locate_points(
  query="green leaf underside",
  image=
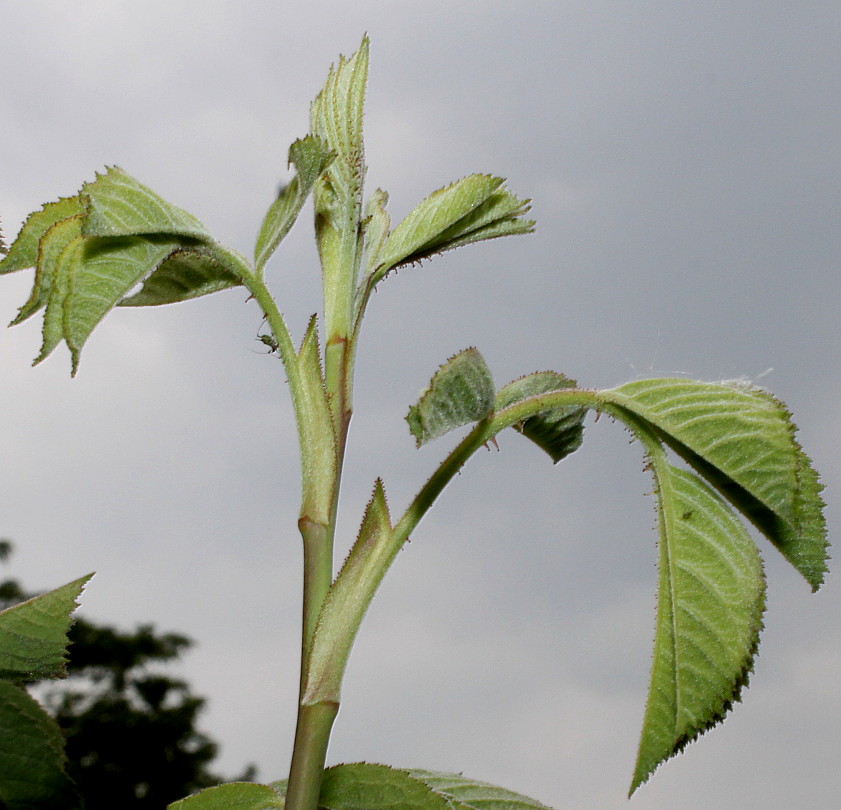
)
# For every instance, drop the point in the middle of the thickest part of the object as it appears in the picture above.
(310, 156)
(558, 431)
(24, 251)
(31, 756)
(469, 210)
(364, 786)
(347, 600)
(460, 392)
(319, 456)
(711, 596)
(118, 205)
(182, 275)
(232, 796)
(743, 441)
(33, 634)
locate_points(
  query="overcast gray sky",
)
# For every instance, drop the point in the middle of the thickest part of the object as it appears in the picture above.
(683, 159)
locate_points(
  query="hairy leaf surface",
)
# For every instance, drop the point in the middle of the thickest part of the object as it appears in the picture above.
(33, 634)
(232, 796)
(118, 205)
(468, 794)
(557, 431)
(460, 392)
(710, 599)
(310, 156)
(31, 756)
(474, 208)
(347, 601)
(742, 440)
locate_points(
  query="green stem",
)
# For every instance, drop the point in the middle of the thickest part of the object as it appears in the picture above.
(312, 735)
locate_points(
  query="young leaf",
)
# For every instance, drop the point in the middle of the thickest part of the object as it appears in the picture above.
(118, 205)
(184, 274)
(232, 796)
(319, 455)
(468, 794)
(31, 756)
(310, 156)
(347, 600)
(460, 392)
(33, 634)
(557, 431)
(741, 439)
(24, 250)
(472, 209)
(710, 599)
(364, 786)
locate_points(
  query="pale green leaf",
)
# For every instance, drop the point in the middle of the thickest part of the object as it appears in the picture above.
(468, 794)
(24, 250)
(377, 224)
(118, 205)
(33, 634)
(472, 209)
(460, 392)
(108, 270)
(319, 455)
(557, 431)
(310, 156)
(32, 775)
(232, 796)
(184, 274)
(347, 601)
(710, 599)
(364, 786)
(742, 440)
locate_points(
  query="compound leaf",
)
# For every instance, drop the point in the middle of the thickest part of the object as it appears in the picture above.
(32, 757)
(557, 431)
(118, 205)
(742, 440)
(710, 599)
(460, 392)
(472, 209)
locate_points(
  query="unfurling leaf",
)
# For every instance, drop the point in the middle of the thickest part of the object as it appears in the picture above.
(557, 431)
(310, 156)
(710, 599)
(472, 209)
(742, 440)
(460, 392)
(91, 251)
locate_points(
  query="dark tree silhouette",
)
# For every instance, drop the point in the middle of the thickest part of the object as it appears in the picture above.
(131, 731)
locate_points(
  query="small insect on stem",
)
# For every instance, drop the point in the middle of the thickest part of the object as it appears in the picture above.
(269, 341)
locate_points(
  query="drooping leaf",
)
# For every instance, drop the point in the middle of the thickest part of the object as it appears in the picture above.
(460, 392)
(118, 205)
(319, 455)
(310, 156)
(468, 794)
(742, 440)
(364, 786)
(24, 250)
(347, 601)
(232, 796)
(33, 634)
(710, 599)
(182, 275)
(32, 757)
(557, 431)
(472, 209)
